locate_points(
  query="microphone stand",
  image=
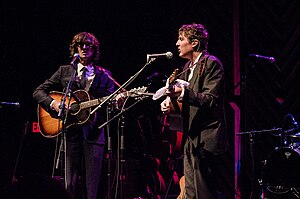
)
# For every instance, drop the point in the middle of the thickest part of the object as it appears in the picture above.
(121, 146)
(252, 141)
(121, 137)
(109, 151)
(63, 115)
(14, 178)
(121, 158)
(109, 109)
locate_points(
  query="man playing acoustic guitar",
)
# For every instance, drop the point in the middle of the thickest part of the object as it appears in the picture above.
(202, 97)
(84, 143)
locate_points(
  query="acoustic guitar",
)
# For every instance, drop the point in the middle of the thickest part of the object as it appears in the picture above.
(79, 108)
(175, 106)
(172, 122)
(182, 188)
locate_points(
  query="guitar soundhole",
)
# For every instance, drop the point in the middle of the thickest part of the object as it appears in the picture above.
(74, 108)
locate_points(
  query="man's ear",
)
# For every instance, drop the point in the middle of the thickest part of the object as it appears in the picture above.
(195, 43)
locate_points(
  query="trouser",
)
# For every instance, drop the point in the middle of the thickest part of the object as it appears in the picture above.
(203, 173)
(83, 159)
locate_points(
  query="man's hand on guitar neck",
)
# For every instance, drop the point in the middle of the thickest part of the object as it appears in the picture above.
(177, 89)
(174, 91)
(120, 99)
(174, 94)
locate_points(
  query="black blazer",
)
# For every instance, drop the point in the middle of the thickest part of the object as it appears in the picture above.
(101, 86)
(203, 105)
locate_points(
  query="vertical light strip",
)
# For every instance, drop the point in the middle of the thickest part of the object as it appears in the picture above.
(236, 91)
(237, 148)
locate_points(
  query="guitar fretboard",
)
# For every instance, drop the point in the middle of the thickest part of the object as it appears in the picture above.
(90, 103)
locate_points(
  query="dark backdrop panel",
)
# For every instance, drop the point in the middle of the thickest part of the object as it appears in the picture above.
(270, 28)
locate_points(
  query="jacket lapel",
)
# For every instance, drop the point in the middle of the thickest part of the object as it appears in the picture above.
(196, 77)
(96, 80)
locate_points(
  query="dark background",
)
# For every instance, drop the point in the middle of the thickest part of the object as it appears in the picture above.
(34, 40)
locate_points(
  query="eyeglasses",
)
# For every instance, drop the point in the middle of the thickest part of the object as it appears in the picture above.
(84, 45)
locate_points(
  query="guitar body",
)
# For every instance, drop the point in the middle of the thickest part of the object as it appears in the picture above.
(182, 188)
(51, 125)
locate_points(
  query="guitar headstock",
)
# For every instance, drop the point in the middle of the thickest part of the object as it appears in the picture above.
(173, 76)
(136, 92)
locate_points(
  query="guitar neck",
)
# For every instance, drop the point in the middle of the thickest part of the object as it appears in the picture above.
(91, 103)
(133, 92)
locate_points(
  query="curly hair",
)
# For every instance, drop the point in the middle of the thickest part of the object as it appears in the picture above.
(85, 38)
(195, 31)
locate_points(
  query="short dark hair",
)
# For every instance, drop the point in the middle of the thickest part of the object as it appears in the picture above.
(85, 37)
(195, 32)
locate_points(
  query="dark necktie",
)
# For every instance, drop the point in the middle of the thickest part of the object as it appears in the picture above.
(83, 78)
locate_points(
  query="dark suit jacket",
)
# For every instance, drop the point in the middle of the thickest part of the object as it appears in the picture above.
(203, 106)
(101, 86)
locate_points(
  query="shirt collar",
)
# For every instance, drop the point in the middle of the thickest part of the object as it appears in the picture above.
(197, 59)
(193, 65)
(90, 68)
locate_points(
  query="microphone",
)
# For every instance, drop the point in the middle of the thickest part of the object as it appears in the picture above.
(168, 55)
(13, 104)
(76, 56)
(270, 59)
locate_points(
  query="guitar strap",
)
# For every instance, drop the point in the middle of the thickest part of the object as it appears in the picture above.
(187, 67)
(202, 62)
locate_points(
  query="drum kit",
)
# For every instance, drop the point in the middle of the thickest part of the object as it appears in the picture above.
(281, 169)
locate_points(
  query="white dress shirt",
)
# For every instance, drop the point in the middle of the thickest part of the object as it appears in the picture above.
(89, 74)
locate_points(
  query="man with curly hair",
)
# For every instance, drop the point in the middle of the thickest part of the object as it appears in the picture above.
(84, 142)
